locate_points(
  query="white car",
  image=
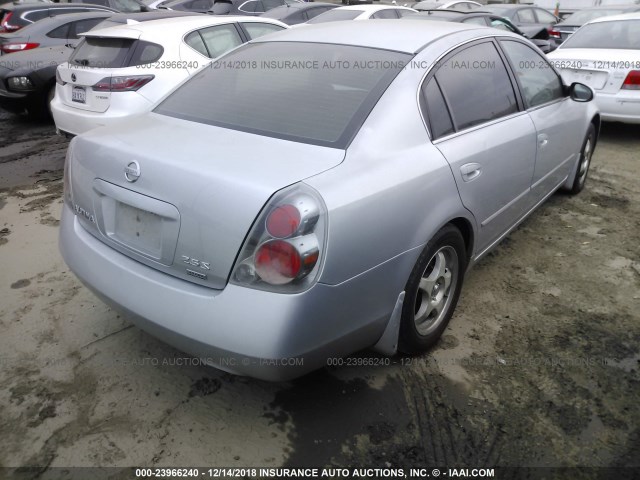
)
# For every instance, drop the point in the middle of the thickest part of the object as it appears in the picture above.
(462, 6)
(119, 72)
(605, 54)
(362, 12)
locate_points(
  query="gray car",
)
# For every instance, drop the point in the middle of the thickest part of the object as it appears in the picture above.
(328, 195)
(50, 32)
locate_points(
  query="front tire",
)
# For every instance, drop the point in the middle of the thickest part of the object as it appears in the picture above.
(432, 290)
(584, 162)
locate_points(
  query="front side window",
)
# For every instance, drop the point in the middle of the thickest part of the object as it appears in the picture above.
(545, 17)
(476, 86)
(539, 83)
(336, 15)
(305, 92)
(269, 4)
(526, 16)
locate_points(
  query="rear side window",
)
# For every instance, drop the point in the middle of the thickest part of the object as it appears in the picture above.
(255, 29)
(35, 15)
(194, 40)
(440, 122)
(476, 21)
(61, 32)
(293, 91)
(386, 13)
(251, 6)
(82, 26)
(97, 52)
(476, 86)
(220, 39)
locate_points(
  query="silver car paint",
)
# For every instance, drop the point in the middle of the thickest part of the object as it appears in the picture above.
(208, 204)
(386, 199)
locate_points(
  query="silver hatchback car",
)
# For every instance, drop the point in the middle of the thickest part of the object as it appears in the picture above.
(322, 190)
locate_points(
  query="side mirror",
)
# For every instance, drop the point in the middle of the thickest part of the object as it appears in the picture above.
(580, 92)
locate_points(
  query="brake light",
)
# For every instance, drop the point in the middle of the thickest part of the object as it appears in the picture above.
(282, 253)
(553, 32)
(18, 47)
(4, 25)
(632, 82)
(122, 84)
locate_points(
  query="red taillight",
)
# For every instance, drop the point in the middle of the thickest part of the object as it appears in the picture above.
(632, 82)
(18, 47)
(4, 25)
(283, 251)
(553, 32)
(283, 221)
(122, 84)
(277, 262)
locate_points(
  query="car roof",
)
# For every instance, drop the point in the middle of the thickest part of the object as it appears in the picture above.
(371, 8)
(147, 16)
(616, 18)
(21, 7)
(401, 35)
(301, 5)
(175, 26)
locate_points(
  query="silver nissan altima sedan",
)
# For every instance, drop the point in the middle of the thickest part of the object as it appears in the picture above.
(322, 190)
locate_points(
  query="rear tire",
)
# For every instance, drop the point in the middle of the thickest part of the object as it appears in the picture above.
(432, 290)
(584, 162)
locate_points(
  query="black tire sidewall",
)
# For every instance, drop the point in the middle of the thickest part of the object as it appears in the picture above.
(577, 187)
(410, 341)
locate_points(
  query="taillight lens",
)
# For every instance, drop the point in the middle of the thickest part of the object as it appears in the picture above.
(67, 194)
(284, 249)
(632, 82)
(18, 47)
(122, 84)
(4, 25)
(553, 32)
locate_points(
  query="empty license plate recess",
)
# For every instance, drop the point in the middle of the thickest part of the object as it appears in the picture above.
(138, 229)
(137, 225)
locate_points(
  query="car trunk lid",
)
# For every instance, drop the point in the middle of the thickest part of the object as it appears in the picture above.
(96, 58)
(181, 196)
(604, 70)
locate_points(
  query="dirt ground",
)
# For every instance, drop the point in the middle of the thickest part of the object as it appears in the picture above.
(539, 366)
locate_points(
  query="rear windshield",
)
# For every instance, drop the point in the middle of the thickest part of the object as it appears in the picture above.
(580, 18)
(306, 92)
(97, 52)
(336, 15)
(623, 34)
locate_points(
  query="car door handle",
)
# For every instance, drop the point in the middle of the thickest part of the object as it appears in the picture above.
(543, 139)
(470, 171)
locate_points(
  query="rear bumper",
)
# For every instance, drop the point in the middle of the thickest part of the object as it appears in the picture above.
(75, 121)
(620, 107)
(244, 331)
